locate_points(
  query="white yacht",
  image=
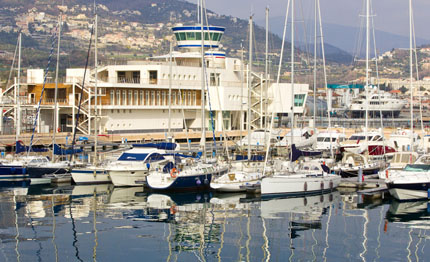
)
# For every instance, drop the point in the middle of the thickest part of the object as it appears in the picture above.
(412, 182)
(377, 102)
(375, 144)
(329, 140)
(133, 166)
(396, 162)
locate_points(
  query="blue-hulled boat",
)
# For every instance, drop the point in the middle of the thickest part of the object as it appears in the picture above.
(13, 174)
(188, 175)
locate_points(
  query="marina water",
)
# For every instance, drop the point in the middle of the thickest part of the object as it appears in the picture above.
(89, 223)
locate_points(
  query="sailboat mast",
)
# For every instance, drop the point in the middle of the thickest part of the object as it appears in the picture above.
(315, 66)
(242, 76)
(328, 91)
(18, 85)
(292, 71)
(95, 93)
(367, 67)
(411, 74)
(203, 98)
(266, 71)
(56, 88)
(249, 87)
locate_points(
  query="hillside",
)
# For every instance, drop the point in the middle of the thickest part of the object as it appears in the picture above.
(133, 29)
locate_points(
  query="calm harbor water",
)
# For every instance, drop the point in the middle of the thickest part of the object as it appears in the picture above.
(89, 223)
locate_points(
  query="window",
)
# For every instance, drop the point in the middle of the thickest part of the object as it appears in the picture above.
(153, 77)
(141, 97)
(164, 102)
(130, 97)
(194, 98)
(214, 79)
(112, 97)
(146, 98)
(177, 37)
(153, 98)
(182, 98)
(191, 36)
(173, 98)
(299, 99)
(136, 77)
(136, 100)
(189, 98)
(121, 76)
(118, 97)
(182, 36)
(124, 97)
(215, 36)
(158, 98)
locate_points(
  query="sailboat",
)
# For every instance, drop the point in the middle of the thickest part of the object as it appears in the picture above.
(310, 178)
(93, 173)
(14, 173)
(247, 171)
(40, 168)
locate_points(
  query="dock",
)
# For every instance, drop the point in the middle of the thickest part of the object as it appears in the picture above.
(370, 182)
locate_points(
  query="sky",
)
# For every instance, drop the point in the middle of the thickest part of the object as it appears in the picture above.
(389, 15)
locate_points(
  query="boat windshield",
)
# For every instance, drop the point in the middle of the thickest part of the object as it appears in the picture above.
(359, 138)
(417, 168)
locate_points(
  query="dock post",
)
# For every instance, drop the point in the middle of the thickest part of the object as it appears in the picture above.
(360, 175)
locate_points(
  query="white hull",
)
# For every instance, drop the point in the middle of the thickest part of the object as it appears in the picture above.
(90, 176)
(232, 187)
(298, 184)
(128, 177)
(407, 194)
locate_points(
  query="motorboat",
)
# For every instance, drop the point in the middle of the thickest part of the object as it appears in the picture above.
(132, 167)
(397, 161)
(329, 140)
(413, 182)
(371, 143)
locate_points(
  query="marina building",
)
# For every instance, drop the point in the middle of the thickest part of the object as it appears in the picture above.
(135, 97)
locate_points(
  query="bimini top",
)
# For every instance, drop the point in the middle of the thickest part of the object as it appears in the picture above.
(191, 36)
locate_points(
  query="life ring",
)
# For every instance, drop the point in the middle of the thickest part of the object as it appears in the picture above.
(403, 133)
(174, 173)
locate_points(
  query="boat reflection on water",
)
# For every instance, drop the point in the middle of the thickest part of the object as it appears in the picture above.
(84, 223)
(415, 214)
